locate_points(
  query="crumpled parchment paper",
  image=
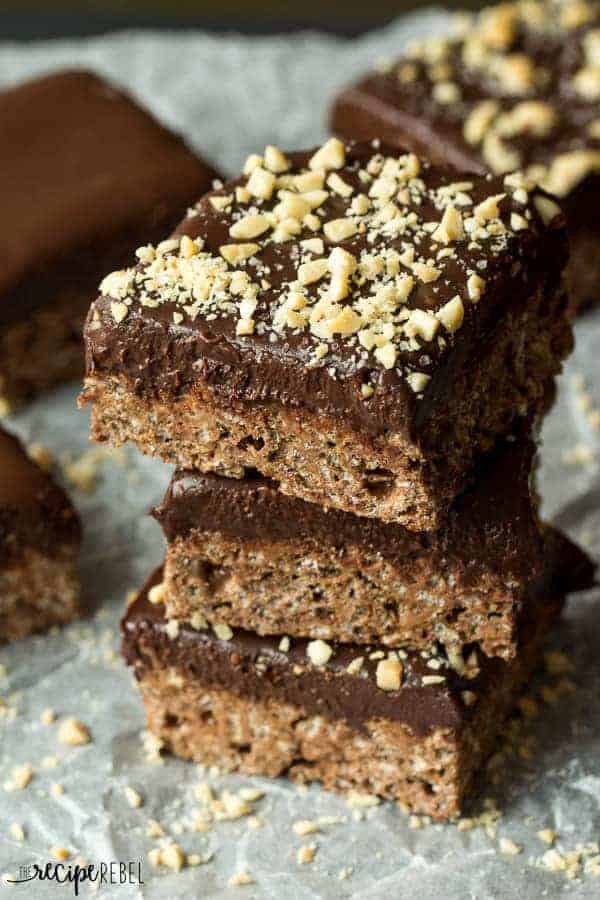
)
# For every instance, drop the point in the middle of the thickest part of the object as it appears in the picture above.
(230, 96)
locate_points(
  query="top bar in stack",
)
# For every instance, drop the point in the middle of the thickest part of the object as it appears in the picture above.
(517, 87)
(85, 175)
(351, 322)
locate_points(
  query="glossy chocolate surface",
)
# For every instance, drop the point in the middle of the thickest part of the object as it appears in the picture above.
(85, 176)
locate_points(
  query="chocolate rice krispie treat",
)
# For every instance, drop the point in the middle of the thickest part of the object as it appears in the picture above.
(241, 552)
(85, 175)
(409, 726)
(40, 536)
(517, 87)
(352, 322)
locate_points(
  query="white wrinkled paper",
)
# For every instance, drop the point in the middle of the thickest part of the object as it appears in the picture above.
(230, 96)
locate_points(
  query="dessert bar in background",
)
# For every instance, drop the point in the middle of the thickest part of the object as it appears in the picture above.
(409, 726)
(517, 87)
(354, 323)
(86, 176)
(240, 552)
(40, 535)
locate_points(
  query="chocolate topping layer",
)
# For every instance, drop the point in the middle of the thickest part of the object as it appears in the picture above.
(492, 526)
(34, 511)
(516, 88)
(85, 173)
(180, 317)
(258, 667)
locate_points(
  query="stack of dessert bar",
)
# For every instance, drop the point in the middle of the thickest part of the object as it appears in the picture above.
(345, 352)
(517, 87)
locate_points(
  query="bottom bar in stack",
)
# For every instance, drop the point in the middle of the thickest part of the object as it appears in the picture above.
(404, 725)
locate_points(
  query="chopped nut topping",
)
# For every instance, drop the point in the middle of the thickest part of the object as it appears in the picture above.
(389, 674)
(489, 209)
(422, 324)
(119, 311)
(432, 679)
(223, 632)
(450, 228)
(479, 120)
(339, 186)
(158, 593)
(172, 629)
(332, 155)
(319, 652)
(117, 284)
(475, 287)
(237, 253)
(451, 315)
(547, 209)
(275, 160)
(219, 203)
(310, 272)
(418, 381)
(337, 230)
(249, 227)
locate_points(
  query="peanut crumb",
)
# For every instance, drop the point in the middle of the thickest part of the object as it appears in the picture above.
(508, 847)
(48, 717)
(17, 832)
(73, 732)
(306, 853)
(240, 879)
(304, 826)
(133, 797)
